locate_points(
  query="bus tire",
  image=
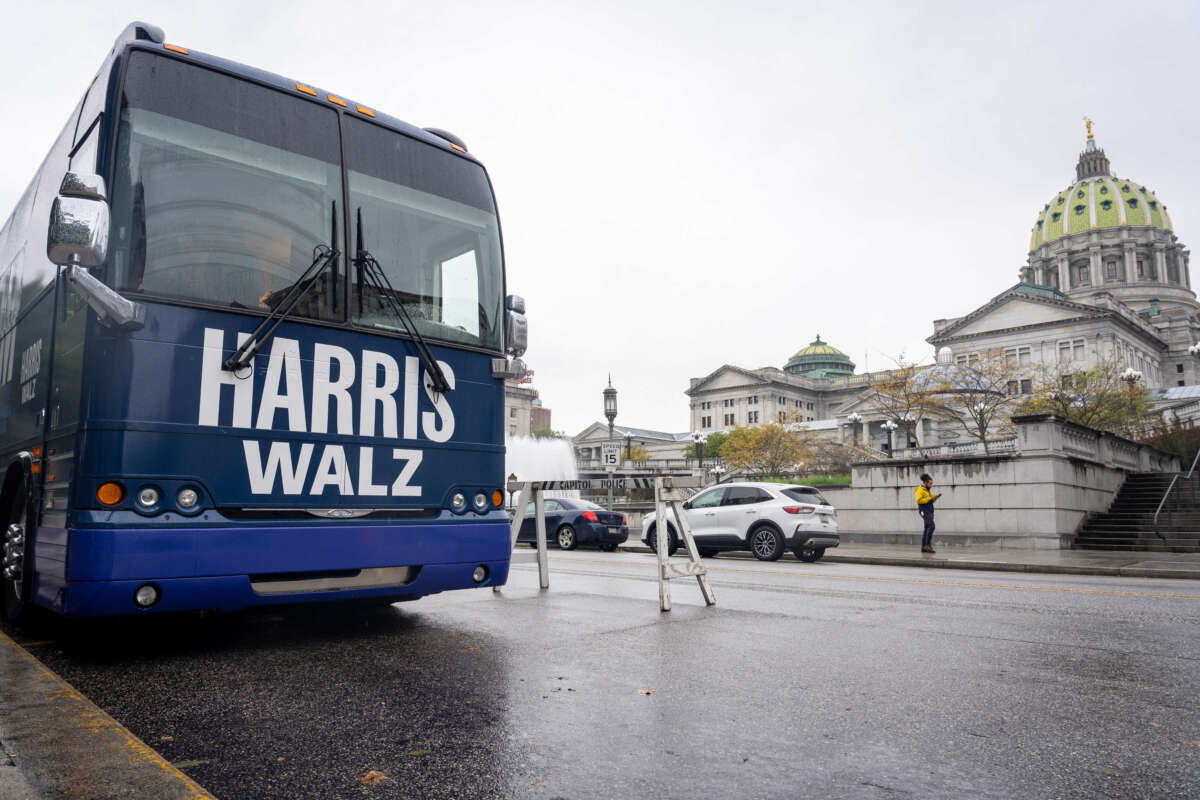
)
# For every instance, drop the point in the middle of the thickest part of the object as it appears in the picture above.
(16, 564)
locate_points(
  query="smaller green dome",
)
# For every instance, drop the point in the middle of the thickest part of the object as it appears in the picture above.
(819, 360)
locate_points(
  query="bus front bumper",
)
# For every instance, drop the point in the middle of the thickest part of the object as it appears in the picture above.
(231, 568)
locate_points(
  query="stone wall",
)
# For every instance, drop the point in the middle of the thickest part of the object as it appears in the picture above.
(1034, 496)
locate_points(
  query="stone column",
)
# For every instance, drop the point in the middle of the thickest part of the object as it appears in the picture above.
(1160, 262)
(1130, 263)
(1095, 265)
(1064, 273)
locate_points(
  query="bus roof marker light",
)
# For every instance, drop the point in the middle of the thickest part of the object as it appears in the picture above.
(364, 110)
(110, 493)
(300, 87)
(337, 101)
(176, 49)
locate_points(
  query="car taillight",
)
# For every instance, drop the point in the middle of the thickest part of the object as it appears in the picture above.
(590, 516)
(799, 509)
(623, 522)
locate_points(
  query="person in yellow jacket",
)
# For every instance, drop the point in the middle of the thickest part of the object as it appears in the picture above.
(925, 500)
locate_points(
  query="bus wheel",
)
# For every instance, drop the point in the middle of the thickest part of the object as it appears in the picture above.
(16, 567)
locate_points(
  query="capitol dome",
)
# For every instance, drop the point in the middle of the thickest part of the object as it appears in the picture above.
(1100, 201)
(1111, 234)
(819, 360)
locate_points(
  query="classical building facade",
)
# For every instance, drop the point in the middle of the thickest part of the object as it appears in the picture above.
(523, 410)
(1106, 280)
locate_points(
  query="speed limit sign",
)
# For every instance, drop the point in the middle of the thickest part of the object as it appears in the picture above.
(610, 455)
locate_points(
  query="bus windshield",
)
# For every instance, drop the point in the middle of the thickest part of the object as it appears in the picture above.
(427, 217)
(223, 189)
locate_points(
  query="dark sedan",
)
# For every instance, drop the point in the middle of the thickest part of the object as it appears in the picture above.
(570, 523)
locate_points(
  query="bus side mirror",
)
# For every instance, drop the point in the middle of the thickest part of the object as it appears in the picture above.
(78, 232)
(516, 327)
(78, 240)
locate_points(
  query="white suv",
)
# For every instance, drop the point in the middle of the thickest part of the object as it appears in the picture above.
(763, 518)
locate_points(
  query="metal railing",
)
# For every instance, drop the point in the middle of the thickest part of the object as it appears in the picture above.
(649, 464)
(1171, 486)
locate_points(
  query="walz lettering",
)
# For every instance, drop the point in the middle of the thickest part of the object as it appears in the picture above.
(358, 395)
(31, 365)
(293, 472)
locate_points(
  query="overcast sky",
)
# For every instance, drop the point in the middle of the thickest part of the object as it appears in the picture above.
(685, 185)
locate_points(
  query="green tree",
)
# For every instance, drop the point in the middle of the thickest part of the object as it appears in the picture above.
(1098, 397)
(711, 448)
(769, 449)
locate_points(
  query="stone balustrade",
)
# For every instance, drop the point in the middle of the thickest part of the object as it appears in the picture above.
(1033, 491)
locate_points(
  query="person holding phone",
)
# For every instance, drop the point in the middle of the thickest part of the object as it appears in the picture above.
(925, 500)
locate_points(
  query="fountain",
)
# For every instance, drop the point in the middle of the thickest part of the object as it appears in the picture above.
(540, 460)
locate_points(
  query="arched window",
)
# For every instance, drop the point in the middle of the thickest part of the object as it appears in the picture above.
(1083, 274)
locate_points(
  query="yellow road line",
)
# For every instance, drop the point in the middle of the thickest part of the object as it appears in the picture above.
(930, 581)
(89, 717)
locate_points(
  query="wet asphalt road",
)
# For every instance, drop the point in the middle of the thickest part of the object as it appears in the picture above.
(806, 680)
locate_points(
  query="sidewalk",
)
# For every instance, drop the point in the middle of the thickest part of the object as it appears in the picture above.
(1066, 562)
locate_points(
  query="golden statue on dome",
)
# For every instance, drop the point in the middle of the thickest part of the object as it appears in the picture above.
(1088, 122)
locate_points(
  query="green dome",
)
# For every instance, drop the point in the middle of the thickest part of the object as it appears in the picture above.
(1097, 199)
(819, 360)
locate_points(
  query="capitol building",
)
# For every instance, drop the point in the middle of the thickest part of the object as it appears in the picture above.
(1106, 280)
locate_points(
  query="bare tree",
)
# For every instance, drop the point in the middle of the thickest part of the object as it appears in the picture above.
(978, 395)
(902, 395)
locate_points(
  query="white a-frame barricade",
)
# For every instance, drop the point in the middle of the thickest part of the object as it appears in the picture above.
(667, 494)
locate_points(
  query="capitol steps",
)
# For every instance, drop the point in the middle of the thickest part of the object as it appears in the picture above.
(1129, 523)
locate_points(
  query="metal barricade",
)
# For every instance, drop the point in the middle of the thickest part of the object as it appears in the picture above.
(668, 494)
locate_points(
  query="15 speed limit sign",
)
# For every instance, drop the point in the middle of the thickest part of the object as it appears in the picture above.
(610, 455)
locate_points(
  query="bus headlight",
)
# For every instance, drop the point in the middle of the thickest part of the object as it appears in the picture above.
(187, 498)
(458, 502)
(147, 497)
(480, 501)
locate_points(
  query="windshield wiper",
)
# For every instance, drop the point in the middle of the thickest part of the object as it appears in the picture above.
(322, 257)
(371, 273)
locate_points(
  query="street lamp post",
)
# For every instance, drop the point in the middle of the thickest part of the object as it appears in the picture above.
(890, 426)
(1131, 376)
(699, 438)
(854, 418)
(717, 472)
(610, 411)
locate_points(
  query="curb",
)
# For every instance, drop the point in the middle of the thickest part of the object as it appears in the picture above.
(66, 746)
(992, 566)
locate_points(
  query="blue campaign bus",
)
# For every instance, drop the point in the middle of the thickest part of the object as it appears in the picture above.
(253, 344)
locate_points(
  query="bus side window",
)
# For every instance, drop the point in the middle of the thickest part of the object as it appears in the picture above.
(83, 156)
